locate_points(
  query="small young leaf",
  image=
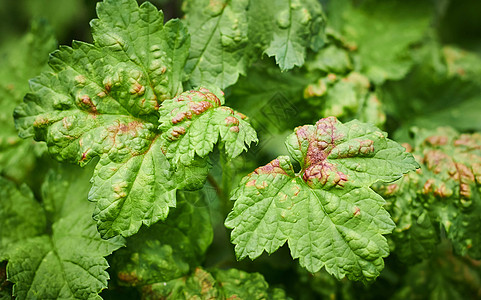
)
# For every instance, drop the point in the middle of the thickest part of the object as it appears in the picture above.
(193, 121)
(286, 29)
(61, 260)
(327, 213)
(219, 38)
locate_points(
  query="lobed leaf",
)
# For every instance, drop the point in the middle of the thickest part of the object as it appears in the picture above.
(227, 36)
(297, 27)
(192, 123)
(327, 213)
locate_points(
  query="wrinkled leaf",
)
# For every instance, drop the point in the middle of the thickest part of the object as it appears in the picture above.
(445, 191)
(192, 123)
(218, 31)
(327, 213)
(286, 29)
(346, 98)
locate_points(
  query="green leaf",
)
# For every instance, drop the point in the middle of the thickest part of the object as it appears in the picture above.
(238, 284)
(169, 249)
(103, 100)
(218, 31)
(220, 284)
(61, 258)
(327, 212)
(286, 28)
(27, 58)
(113, 87)
(192, 123)
(138, 35)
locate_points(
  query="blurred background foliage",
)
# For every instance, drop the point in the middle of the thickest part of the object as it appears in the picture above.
(399, 64)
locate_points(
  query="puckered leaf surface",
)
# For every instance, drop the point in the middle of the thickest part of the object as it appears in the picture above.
(296, 28)
(192, 123)
(327, 213)
(444, 192)
(55, 252)
(286, 29)
(169, 249)
(136, 191)
(102, 100)
(219, 284)
(219, 39)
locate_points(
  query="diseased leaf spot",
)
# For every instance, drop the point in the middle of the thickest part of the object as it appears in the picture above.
(102, 94)
(66, 124)
(128, 277)
(176, 132)
(271, 168)
(181, 116)
(40, 121)
(130, 127)
(231, 121)
(234, 129)
(80, 79)
(437, 140)
(357, 211)
(227, 109)
(241, 115)
(137, 88)
(251, 183)
(324, 173)
(87, 103)
(199, 107)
